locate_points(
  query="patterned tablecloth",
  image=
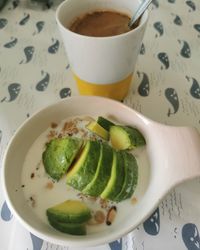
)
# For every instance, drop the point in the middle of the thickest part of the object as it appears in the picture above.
(34, 72)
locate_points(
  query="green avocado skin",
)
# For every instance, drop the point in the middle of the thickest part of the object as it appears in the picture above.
(117, 178)
(86, 172)
(99, 182)
(59, 154)
(136, 138)
(131, 177)
(68, 218)
(103, 122)
(69, 228)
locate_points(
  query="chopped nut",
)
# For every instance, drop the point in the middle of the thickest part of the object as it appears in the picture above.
(54, 125)
(92, 222)
(33, 202)
(92, 198)
(103, 203)
(99, 216)
(49, 185)
(32, 175)
(70, 127)
(133, 200)
(52, 134)
(111, 215)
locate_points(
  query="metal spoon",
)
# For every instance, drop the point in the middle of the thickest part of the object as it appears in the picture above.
(143, 6)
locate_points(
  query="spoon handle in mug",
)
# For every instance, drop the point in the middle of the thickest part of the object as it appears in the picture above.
(139, 12)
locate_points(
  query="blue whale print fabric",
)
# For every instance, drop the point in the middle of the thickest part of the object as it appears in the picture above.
(190, 236)
(35, 72)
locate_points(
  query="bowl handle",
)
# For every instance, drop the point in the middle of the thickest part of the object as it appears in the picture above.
(174, 154)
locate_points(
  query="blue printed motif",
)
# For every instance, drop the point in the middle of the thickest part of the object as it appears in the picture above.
(28, 51)
(197, 28)
(13, 91)
(164, 59)
(152, 224)
(53, 49)
(195, 88)
(37, 242)
(65, 92)
(24, 19)
(185, 50)
(3, 22)
(159, 27)
(155, 3)
(177, 20)
(143, 88)
(142, 49)
(116, 245)
(15, 4)
(171, 1)
(190, 236)
(5, 212)
(44, 82)
(11, 43)
(39, 26)
(192, 6)
(172, 97)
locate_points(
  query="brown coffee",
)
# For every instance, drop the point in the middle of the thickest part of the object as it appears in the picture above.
(101, 24)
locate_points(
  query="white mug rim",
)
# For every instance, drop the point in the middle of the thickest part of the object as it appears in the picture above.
(145, 16)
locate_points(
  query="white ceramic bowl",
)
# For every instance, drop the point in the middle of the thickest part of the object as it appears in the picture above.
(172, 156)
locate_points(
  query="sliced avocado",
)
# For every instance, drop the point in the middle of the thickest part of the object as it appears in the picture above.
(83, 170)
(103, 172)
(98, 130)
(131, 177)
(115, 183)
(69, 228)
(125, 137)
(105, 123)
(59, 154)
(70, 211)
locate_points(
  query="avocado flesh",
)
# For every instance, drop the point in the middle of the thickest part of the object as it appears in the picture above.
(69, 228)
(84, 169)
(103, 172)
(131, 177)
(125, 137)
(98, 130)
(70, 211)
(59, 154)
(116, 180)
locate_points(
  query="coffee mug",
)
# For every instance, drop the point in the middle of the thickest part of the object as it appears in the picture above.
(102, 66)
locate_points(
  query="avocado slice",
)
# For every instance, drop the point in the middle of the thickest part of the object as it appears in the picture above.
(70, 211)
(103, 172)
(83, 170)
(115, 183)
(131, 177)
(105, 123)
(69, 228)
(59, 154)
(125, 137)
(98, 130)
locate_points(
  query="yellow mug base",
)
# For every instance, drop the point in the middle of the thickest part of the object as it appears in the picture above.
(117, 91)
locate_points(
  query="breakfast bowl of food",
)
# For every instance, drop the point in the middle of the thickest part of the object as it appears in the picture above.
(87, 170)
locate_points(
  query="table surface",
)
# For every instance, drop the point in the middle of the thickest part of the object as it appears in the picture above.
(34, 72)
